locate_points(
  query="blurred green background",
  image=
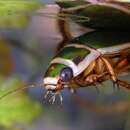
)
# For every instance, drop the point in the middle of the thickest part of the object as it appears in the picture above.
(27, 44)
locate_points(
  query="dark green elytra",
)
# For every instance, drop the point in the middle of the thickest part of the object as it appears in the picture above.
(71, 53)
(100, 16)
(102, 39)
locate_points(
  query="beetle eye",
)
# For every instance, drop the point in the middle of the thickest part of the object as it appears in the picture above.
(66, 74)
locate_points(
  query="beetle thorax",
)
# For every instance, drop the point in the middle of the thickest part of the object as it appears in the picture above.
(96, 72)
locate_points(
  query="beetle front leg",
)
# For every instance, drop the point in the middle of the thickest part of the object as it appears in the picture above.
(111, 72)
(90, 68)
(91, 79)
(110, 69)
(95, 78)
(99, 67)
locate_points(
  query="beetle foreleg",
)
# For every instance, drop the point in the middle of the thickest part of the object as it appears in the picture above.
(110, 69)
(99, 67)
(89, 68)
(91, 79)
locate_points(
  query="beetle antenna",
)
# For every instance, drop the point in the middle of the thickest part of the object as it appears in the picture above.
(20, 89)
(14, 91)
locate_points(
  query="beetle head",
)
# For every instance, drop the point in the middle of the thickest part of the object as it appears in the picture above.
(57, 77)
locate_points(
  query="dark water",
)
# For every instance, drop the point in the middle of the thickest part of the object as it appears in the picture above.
(31, 51)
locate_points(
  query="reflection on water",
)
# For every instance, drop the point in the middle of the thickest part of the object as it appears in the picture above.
(25, 54)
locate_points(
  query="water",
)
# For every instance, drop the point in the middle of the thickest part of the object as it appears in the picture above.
(31, 50)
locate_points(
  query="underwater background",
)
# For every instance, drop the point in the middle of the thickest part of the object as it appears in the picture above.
(27, 45)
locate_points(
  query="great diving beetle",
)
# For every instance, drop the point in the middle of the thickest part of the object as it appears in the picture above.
(88, 60)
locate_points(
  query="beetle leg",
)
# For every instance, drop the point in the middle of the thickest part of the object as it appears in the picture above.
(111, 72)
(124, 84)
(89, 68)
(110, 69)
(123, 62)
(99, 67)
(91, 79)
(123, 66)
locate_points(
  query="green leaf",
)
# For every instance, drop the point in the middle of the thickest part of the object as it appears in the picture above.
(15, 13)
(18, 107)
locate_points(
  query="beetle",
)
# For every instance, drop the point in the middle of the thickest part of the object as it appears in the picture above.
(88, 60)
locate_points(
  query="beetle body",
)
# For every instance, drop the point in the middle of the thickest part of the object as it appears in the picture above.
(103, 56)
